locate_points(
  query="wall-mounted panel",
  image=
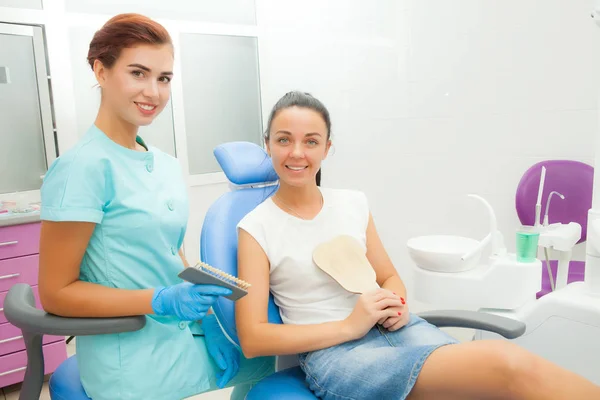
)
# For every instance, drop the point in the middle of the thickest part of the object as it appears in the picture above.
(22, 152)
(221, 91)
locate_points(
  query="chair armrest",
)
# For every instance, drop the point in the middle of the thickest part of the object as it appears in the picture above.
(20, 310)
(509, 328)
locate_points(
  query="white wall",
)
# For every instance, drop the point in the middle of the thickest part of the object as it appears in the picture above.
(434, 99)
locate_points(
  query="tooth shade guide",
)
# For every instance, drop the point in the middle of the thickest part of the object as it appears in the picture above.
(224, 276)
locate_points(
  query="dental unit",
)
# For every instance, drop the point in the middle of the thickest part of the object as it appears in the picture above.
(563, 326)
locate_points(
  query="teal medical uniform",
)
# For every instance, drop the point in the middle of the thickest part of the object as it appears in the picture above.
(138, 201)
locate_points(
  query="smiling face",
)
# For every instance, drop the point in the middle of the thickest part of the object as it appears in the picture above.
(298, 142)
(137, 87)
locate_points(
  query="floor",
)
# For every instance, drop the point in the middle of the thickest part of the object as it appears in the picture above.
(12, 392)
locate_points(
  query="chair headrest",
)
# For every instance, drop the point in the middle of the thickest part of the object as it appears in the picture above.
(245, 163)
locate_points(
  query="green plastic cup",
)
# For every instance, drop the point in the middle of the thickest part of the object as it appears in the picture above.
(527, 244)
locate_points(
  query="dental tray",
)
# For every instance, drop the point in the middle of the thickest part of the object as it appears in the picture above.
(204, 274)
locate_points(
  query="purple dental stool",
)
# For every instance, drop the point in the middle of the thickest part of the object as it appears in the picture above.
(575, 181)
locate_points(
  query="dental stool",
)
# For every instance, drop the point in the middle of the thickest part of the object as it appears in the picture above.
(572, 179)
(252, 180)
(20, 310)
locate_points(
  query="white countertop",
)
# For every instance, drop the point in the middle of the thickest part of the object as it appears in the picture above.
(19, 218)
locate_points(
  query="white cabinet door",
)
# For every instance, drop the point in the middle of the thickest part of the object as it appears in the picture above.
(27, 145)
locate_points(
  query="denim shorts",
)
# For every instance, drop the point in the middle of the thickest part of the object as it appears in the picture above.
(381, 365)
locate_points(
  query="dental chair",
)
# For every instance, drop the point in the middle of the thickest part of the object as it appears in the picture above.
(572, 180)
(562, 325)
(252, 180)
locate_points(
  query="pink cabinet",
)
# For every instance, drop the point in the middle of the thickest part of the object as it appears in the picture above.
(18, 270)
(19, 258)
(19, 240)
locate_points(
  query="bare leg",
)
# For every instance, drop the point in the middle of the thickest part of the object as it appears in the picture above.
(496, 370)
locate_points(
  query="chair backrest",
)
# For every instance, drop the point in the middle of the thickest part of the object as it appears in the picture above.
(573, 179)
(252, 180)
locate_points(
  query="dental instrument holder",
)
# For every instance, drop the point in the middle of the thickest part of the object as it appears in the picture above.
(538, 203)
(560, 237)
(500, 282)
(562, 269)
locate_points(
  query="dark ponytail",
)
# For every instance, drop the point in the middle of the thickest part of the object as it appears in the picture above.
(303, 100)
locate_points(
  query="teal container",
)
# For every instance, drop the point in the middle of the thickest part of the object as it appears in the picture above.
(527, 244)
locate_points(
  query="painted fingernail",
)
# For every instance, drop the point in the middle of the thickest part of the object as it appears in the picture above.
(399, 313)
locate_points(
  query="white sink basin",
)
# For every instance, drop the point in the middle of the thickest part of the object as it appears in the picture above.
(442, 253)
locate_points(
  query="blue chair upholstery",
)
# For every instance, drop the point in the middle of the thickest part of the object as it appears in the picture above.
(288, 384)
(250, 172)
(65, 383)
(248, 168)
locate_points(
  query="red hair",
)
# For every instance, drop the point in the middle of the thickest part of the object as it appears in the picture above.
(123, 31)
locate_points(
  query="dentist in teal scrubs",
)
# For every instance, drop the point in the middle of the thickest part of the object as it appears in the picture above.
(114, 216)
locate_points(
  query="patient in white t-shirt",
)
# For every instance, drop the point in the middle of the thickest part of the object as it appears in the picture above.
(353, 346)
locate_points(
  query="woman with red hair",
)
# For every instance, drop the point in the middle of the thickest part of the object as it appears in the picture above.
(114, 215)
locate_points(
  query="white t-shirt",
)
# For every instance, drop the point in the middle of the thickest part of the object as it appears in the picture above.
(303, 292)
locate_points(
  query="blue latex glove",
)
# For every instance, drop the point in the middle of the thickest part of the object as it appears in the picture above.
(185, 300)
(222, 351)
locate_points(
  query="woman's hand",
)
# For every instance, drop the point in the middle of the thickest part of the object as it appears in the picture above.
(222, 351)
(185, 300)
(396, 322)
(370, 308)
